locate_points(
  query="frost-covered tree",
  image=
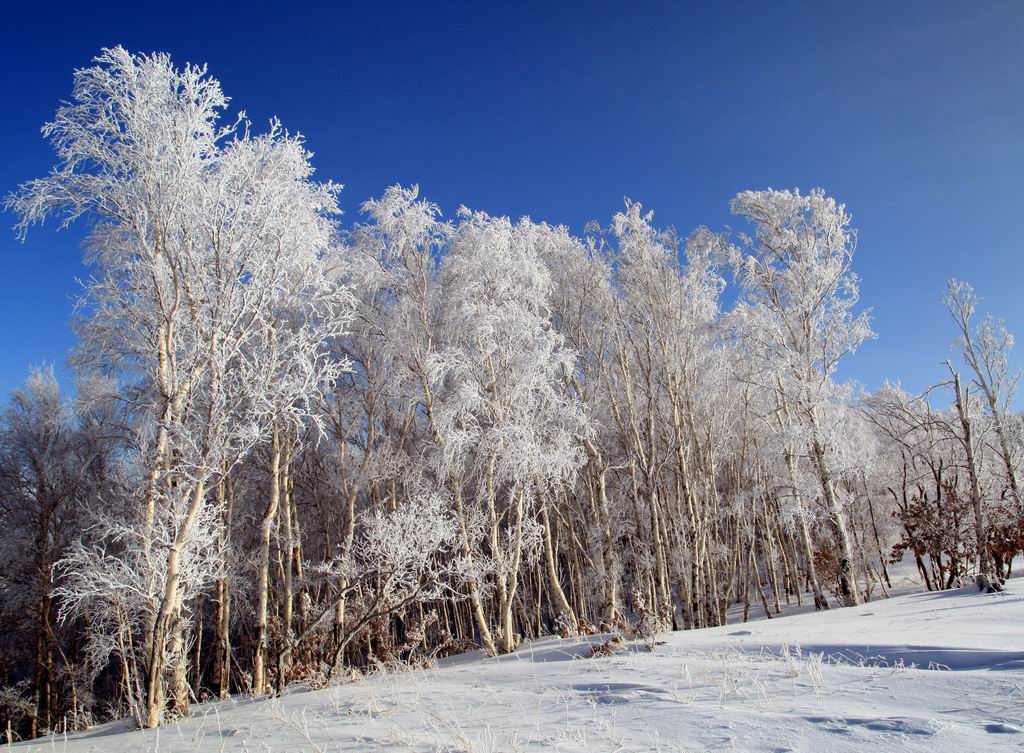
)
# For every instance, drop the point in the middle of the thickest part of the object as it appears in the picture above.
(205, 235)
(985, 349)
(47, 467)
(508, 431)
(798, 317)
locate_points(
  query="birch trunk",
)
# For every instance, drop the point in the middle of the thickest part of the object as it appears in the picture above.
(563, 610)
(259, 672)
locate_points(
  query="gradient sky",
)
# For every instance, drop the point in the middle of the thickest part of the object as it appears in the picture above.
(912, 113)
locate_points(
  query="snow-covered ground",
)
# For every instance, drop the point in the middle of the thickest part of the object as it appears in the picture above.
(921, 672)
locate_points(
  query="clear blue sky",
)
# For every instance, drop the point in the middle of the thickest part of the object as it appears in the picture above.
(912, 113)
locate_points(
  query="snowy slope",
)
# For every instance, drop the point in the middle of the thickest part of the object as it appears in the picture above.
(835, 681)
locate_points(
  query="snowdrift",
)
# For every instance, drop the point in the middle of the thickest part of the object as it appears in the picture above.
(923, 672)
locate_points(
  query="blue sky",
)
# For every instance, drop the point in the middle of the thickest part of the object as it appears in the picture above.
(911, 113)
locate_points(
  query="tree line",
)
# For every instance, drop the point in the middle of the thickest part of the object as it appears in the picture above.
(297, 448)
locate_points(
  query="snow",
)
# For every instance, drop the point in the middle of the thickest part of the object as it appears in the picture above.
(919, 672)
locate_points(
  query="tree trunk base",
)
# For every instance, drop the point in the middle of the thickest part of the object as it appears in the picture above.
(987, 585)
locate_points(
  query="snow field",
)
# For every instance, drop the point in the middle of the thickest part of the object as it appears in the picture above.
(923, 672)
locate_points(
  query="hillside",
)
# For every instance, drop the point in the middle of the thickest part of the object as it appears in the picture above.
(919, 672)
